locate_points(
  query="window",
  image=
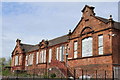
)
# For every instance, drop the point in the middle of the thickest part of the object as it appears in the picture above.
(20, 59)
(26, 60)
(100, 44)
(60, 53)
(37, 55)
(50, 55)
(57, 53)
(43, 56)
(16, 60)
(30, 59)
(87, 47)
(75, 49)
(61, 56)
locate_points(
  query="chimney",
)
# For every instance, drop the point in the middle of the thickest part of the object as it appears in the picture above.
(88, 11)
(18, 41)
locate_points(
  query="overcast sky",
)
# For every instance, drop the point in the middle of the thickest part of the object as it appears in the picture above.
(33, 21)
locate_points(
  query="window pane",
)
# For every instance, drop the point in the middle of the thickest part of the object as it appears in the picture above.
(26, 63)
(87, 47)
(75, 45)
(16, 60)
(57, 52)
(75, 49)
(44, 54)
(37, 57)
(61, 57)
(50, 55)
(100, 45)
(75, 54)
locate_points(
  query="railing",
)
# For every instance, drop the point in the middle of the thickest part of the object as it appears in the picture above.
(55, 73)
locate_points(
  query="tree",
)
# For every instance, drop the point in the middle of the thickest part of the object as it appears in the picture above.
(2, 61)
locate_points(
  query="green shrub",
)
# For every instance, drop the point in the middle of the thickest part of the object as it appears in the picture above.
(53, 75)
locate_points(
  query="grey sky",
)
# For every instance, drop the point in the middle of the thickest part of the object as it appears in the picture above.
(33, 21)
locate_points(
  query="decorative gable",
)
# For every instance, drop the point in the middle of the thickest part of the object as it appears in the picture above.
(88, 11)
(43, 44)
(17, 49)
(86, 30)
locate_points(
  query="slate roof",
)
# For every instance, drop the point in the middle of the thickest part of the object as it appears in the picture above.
(115, 24)
(58, 40)
(28, 48)
(102, 19)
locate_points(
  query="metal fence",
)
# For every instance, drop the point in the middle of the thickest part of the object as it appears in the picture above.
(61, 74)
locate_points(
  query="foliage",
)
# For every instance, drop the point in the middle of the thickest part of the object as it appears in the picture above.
(53, 75)
(6, 72)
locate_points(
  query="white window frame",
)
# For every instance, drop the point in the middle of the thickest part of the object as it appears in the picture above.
(42, 56)
(20, 58)
(50, 55)
(87, 47)
(57, 53)
(100, 44)
(37, 56)
(16, 60)
(75, 49)
(61, 51)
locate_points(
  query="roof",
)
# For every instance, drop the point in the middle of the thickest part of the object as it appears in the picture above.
(115, 24)
(102, 19)
(58, 40)
(28, 48)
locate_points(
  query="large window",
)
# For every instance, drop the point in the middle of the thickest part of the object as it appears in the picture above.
(29, 59)
(16, 60)
(100, 44)
(60, 53)
(50, 55)
(75, 49)
(43, 56)
(87, 47)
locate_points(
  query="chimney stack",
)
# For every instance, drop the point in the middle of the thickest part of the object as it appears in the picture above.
(18, 41)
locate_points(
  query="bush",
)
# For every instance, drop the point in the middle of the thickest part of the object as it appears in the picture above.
(53, 75)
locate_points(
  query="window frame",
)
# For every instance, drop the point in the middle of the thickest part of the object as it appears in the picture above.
(86, 54)
(75, 51)
(99, 44)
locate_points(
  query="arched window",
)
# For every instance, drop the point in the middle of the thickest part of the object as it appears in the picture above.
(87, 47)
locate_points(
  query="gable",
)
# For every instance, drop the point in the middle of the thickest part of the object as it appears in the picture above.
(87, 24)
(17, 50)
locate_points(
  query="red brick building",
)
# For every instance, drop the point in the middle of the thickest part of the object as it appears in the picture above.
(92, 45)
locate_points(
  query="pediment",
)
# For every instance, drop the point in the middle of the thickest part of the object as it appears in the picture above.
(86, 30)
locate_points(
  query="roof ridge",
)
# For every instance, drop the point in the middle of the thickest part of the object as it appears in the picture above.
(57, 37)
(27, 44)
